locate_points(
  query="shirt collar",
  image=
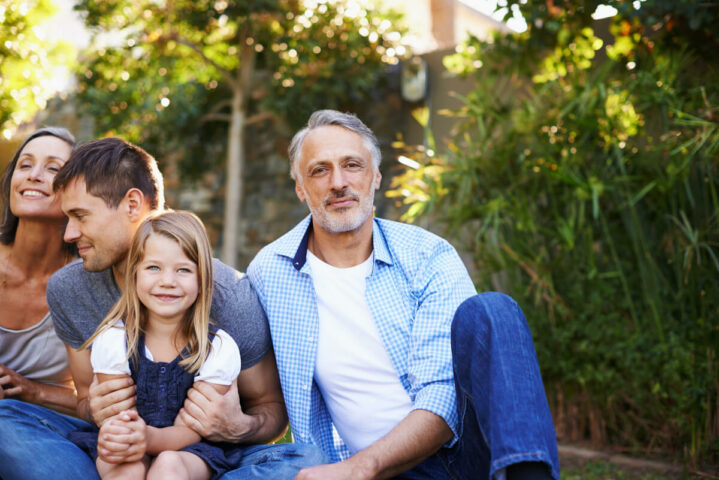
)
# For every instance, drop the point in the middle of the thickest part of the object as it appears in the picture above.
(294, 244)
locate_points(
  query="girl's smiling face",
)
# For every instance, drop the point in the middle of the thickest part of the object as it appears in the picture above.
(167, 281)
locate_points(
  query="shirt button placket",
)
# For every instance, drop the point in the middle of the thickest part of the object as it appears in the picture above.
(162, 379)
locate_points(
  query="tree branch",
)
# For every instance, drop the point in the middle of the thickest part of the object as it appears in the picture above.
(220, 105)
(219, 117)
(214, 113)
(226, 74)
(259, 117)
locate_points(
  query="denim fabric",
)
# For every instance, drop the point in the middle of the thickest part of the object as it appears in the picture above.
(504, 417)
(33, 446)
(280, 461)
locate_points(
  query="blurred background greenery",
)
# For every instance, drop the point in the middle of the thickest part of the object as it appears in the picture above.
(568, 149)
(582, 177)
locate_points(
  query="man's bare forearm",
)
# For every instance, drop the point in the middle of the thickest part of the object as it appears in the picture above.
(269, 422)
(60, 399)
(418, 436)
(262, 403)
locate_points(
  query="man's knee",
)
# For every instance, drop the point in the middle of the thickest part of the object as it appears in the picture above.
(477, 315)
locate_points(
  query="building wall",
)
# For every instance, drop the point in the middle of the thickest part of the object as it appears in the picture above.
(441, 24)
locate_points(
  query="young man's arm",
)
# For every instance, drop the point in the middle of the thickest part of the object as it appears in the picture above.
(418, 436)
(96, 402)
(260, 418)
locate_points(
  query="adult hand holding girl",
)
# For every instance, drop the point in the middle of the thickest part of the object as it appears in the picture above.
(221, 417)
(110, 397)
(215, 416)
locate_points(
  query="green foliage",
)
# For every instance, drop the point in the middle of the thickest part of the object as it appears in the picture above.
(28, 62)
(672, 23)
(587, 189)
(165, 77)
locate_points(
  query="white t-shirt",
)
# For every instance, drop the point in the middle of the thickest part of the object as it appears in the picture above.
(353, 370)
(109, 355)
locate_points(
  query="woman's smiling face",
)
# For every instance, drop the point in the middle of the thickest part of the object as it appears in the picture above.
(31, 193)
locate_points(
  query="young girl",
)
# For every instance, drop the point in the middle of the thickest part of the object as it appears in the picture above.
(159, 334)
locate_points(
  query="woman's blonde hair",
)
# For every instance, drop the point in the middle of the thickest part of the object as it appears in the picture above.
(189, 232)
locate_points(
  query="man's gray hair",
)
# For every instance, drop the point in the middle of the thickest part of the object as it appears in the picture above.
(322, 118)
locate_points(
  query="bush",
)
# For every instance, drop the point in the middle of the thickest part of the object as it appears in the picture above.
(583, 180)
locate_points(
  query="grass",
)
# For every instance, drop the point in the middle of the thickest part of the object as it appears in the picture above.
(603, 470)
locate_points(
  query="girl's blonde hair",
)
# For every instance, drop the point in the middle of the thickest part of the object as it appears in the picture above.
(188, 231)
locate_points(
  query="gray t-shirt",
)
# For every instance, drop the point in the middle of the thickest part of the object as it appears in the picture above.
(36, 353)
(79, 301)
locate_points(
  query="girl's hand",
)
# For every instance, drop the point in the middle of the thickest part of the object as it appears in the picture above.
(12, 384)
(123, 439)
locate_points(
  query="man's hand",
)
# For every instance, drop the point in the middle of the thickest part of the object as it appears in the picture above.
(110, 397)
(220, 417)
(216, 417)
(419, 435)
(12, 384)
(122, 439)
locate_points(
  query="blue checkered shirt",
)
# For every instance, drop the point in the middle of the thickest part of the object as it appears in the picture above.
(417, 283)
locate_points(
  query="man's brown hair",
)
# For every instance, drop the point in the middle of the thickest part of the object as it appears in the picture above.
(110, 167)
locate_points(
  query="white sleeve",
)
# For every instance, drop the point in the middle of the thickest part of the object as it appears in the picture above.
(108, 353)
(223, 363)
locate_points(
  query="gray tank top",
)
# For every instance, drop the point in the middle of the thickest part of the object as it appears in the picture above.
(36, 353)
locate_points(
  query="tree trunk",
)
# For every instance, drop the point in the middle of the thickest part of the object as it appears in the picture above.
(236, 157)
(233, 187)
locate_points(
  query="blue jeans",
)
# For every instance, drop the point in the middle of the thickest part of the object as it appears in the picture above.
(281, 460)
(33, 446)
(504, 417)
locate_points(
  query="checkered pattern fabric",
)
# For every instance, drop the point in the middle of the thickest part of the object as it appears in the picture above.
(417, 283)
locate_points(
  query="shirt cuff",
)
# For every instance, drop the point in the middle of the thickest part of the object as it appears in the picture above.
(442, 401)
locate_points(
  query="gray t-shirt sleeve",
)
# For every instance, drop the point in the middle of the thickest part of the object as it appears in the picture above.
(58, 299)
(79, 301)
(236, 309)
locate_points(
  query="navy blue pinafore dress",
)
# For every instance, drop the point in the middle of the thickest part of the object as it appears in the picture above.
(161, 391)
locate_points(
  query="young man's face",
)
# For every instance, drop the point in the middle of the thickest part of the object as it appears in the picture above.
(102, 234)
(337, 179)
